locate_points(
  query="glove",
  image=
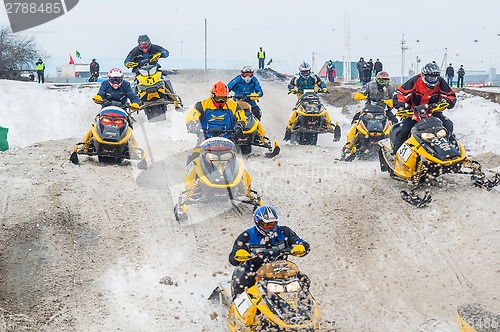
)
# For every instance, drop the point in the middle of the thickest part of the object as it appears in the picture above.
(324, 90)
(155, 57)
(238, 130)
(298, 250)
(97, 99)
(192, 128)
(293, 91)
(254, 96)
(242, 255)
(359, 96)
(388, 102)
(134, 107)
(400, 105)
(131, 64)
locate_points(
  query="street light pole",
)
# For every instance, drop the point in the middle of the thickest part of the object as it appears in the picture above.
(403, 49)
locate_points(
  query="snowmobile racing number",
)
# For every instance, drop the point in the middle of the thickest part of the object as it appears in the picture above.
(405, 152)
(242, 302)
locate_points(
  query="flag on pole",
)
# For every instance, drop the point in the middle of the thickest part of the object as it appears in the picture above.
(71, 62)
(78, 55)
(270, 61)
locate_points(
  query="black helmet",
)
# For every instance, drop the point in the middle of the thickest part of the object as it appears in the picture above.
(144, 42)
(430, 74)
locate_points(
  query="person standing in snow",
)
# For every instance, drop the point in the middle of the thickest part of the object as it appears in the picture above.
(450, 73)
(377, 67)
(261, 55)
(40, 70)
(461, 74)
(331, 71)
(262, 243)
(94, 71)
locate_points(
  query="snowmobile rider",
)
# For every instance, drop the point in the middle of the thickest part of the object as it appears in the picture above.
(144, 51)
(115, 88)
(248, 86)
(262, 243)
(426, 88)
(217, 112)
(306, 81)
(297, 86)
(379, 91)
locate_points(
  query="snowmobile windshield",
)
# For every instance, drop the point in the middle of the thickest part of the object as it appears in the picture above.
(148, 70)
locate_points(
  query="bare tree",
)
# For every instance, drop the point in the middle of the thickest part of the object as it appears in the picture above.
(16, 52)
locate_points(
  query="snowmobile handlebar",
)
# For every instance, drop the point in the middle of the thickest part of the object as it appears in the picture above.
(422, 110)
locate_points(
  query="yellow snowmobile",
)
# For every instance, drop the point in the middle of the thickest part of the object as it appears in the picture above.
(309, 118)
(155, 93)
(366, 132)
(111, 138)
(254, 133)
(429, 152)
(279, 300)
(215, 174)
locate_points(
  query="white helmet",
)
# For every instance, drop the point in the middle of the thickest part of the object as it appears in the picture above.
(247, 73)
(115, 77)
(305, 69)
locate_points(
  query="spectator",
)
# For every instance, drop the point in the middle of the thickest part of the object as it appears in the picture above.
(261, 55)
(461, 73)
(377, 67)
(368, 71)
(40, 70)
(94, 71)
(450, 73)
(360, 66)
(331, 72)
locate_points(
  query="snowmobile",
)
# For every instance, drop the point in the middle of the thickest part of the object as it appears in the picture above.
(215, 173)
(366, 132)
(429, 152)
(309, 119)
(279, 300)
(254, 133)
(155, 91)
(110, 138)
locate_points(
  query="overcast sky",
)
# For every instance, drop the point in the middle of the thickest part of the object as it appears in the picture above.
(289, 32)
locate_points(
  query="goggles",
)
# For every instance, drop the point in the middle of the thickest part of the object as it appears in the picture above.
(144, 45)
(220, 99)
(269, 224)
(115, 80)
(247, 74)
(431, 78)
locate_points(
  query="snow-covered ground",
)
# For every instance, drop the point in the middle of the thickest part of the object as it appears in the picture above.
(84, 248)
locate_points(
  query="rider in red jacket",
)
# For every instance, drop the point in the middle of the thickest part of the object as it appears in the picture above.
(426, 88)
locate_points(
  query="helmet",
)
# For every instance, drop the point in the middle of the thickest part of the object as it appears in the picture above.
(382, 78)
(93, 60)
(144, 43)
(219, 93)
(305, 69)
(247, 73)
(430, 74)
(266, 219)
(115, 77)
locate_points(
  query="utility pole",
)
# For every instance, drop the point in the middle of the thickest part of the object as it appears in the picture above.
(445, 59)
(313, 64)
(205, 43)
(403, 49)
(418, 61)
(347, 47)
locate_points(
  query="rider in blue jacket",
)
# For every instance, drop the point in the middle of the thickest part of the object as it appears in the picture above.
(247, 87)
(260, 244)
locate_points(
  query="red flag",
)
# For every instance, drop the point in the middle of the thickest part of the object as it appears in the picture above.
(71, 62)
